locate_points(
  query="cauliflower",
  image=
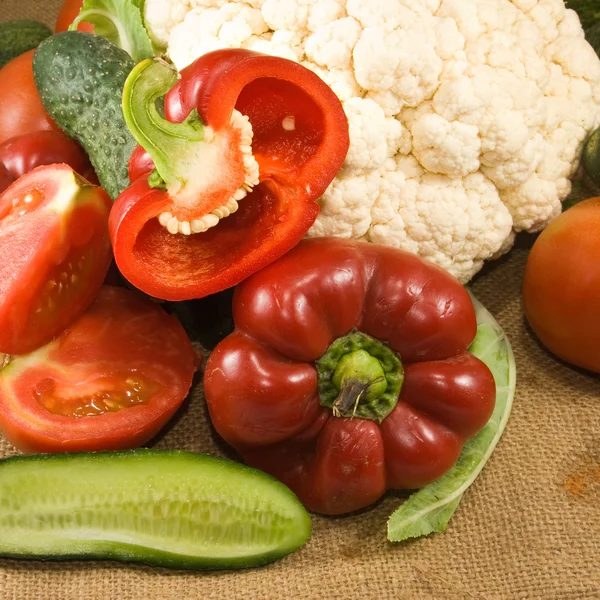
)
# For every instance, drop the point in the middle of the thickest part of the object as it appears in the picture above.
(467, 117)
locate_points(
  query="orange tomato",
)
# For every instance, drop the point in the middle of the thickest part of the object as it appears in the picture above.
(21, 109)
(68, 13)
(561, 287)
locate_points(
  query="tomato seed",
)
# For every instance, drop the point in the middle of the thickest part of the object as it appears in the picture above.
(132, 391)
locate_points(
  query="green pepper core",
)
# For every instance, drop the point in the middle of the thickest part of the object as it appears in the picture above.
(359, 376)
(172, 146)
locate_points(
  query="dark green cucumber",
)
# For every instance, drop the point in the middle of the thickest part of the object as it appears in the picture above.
(80, 79)
(167, 508)
(19, 36)
(591, 157)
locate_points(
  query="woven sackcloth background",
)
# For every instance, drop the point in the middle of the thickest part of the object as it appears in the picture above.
(528, 528)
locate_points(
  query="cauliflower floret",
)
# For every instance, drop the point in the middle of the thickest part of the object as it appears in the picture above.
(441, 146)
(354, 192)
(366, 123)
(231, 25)
(399, 61)
(455, 222)
(304, 15)
(161, 17)
(467, 117)
(341, 81)
(332, 44)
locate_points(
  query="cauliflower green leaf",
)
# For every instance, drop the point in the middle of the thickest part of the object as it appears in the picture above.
(121, 22)
(588, 11)
(430, 509)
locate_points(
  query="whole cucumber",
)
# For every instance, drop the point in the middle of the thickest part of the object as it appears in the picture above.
(19, 36)
(80, 79)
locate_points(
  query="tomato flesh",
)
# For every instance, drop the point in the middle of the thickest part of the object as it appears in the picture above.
(54, 228)
(110, 381)
(102, 395)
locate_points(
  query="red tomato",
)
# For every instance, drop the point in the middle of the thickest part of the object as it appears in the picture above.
(5, 178)
(24, 153)
(54, 237)
(21, 109)
(561, 288)
(68, 13)
(111, 381)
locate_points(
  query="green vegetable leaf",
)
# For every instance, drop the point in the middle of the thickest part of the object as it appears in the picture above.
(121, 22)
(582, 189)
(430, 509)
(592, 35)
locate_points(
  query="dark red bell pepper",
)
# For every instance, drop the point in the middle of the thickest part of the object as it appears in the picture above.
(348, 373)
(22, 154)
(228, 195)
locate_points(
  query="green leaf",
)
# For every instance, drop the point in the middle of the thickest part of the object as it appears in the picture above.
(582, 189)
(120, 22)
(430, 509)
(592, 35)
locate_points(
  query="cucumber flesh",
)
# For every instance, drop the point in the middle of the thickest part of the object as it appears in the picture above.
(168, 508)
(20, 36)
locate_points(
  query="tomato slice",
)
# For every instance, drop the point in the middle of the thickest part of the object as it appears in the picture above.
(56, 253)
(111, 381)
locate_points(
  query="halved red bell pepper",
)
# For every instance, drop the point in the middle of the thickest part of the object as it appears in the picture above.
(189, 229)
(348, 373)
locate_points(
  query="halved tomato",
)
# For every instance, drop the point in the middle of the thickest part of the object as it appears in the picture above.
(55, 254)
(111, 381)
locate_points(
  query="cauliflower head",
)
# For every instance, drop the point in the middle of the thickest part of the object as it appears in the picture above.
(467, 117)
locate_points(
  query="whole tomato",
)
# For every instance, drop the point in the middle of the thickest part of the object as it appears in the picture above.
(561, 288)
(24, 153)
(21, 109)
(68, 13)
(5, 178)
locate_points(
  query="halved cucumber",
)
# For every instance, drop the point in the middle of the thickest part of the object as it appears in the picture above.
(168, 508)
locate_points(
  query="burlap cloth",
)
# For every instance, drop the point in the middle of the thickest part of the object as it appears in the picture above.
(528, 528)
